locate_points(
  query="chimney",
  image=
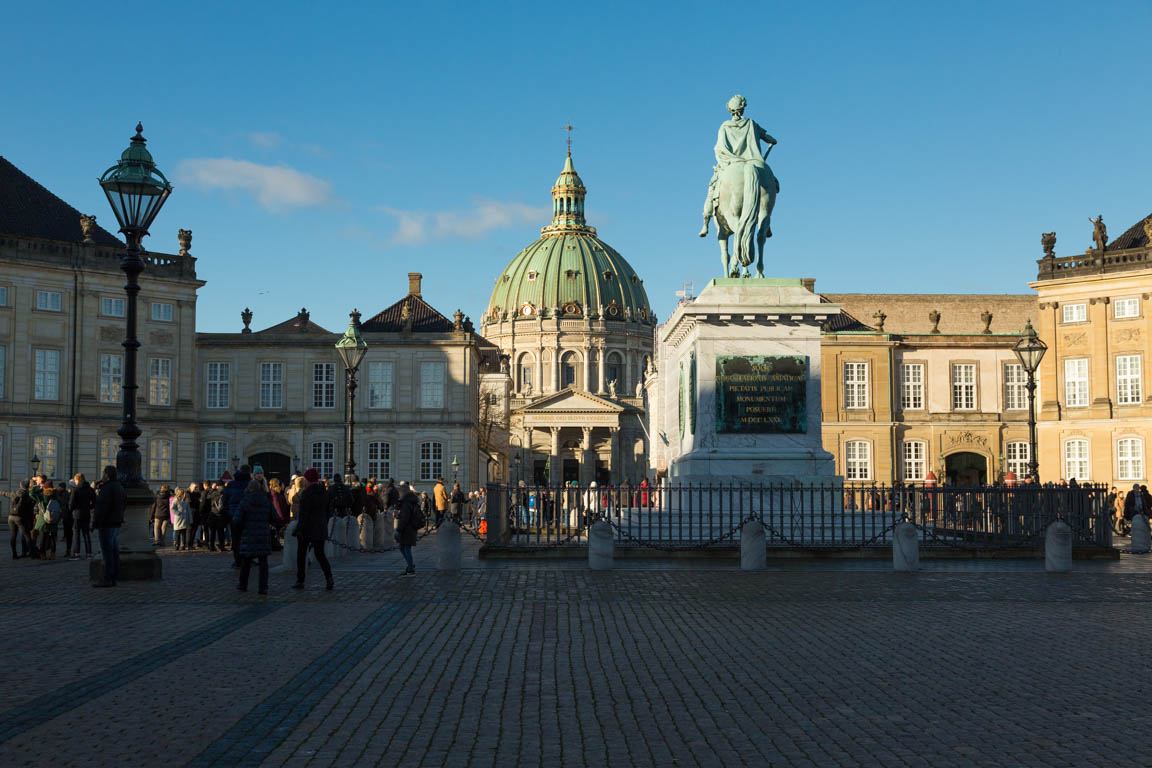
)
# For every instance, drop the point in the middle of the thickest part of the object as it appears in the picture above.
(809, 284)
(414, 283)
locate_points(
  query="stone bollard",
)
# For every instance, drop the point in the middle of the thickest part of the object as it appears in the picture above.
(367, 533)
(1141, 535)
(291, 544)
(1058, 548)
(330, 548)
(601, 546)
(905, 547)
(753, 547)
(448, 546)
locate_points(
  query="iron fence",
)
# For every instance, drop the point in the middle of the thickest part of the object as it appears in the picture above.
(848, 516)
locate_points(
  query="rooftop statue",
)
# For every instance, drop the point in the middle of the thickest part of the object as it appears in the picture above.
(742, 192)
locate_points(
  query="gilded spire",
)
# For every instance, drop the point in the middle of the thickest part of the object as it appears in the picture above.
(568, 200)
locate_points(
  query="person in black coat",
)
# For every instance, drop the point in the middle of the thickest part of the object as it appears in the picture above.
(82, 501)
(107, 517)
(254, 521)
(21, 518)
(408, 524)
(233, 494)
(161, 516)
(312, 528)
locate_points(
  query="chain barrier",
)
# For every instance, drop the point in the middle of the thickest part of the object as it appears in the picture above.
(679, 547)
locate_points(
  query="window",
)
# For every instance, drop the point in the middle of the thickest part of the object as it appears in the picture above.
(322, 458)
(525, 377)
(612, 373)
(271, 385)
(1018, 456)
(49, 301)
(1076, 460)
(963, 386)
(47, 381)
(379, 460)
(3, 369)
(379, 386)
(1015, 387)
(1126, 308)
(219, 378)
(3, 295)
(1130, 459)
(1075, 313)
(160, 381)
(855, 385)
(431, 385)
(162, 311)
(46, 449)
(215, 459)
(913, 460)
(1128, 380)
(857, 460)
(160, 459)
(109, 447)
(111, 377)
(1076, 383)
(323, 385)
(431, 461)
(110, 307)
(912, 386)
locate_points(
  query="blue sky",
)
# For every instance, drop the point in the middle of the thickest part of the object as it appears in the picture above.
(321, 151)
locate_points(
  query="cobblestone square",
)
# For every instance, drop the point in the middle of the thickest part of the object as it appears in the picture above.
(548, 664)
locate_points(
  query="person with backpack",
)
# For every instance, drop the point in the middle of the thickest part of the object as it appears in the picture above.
(409, 521)
(312, 529)
(456, 503)
(20, 517)
(339, 498)
(51, 527)
(216, 519)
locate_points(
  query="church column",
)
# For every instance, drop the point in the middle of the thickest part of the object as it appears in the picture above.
(555, 475)
(614, 456)
(527, 463)
(587, 458)
(556, 368)
(587, 364)
(600, 370)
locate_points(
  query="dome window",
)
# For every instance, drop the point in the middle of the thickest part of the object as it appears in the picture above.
(571, 274)
(608, 275)
(527, 310)
(613, 310)
(532, 276)
(635, 280)
(572, 308)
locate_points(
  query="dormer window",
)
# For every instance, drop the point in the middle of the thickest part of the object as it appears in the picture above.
(570, 274)
(608, 275)
(532, 276)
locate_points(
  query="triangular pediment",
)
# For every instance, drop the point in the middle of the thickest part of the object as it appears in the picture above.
(572, 401)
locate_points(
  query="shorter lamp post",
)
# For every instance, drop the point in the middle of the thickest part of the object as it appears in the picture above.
(35, 462)
(1030, 351)
(455, 467)
(351, 349)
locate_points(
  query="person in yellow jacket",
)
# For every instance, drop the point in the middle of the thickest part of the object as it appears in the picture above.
(440, 497)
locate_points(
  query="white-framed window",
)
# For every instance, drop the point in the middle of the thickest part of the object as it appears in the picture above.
(215, 459)
(162, 311)
(379, 386)
(323, 458)
(855, 385)
(963, 386)
(1075, 313)
(914, 459)
(1126, 308)
(109, 447)
(272, 385)
(112, 307)
(160, 459)
(160, 381)
(526, 380)
(111, 378)
(432, 385)
(1129, 458)
(431, 461)
(218, 378)
(1076, 460)
(47, 374)
(49, 301)
(1015, 387)
(1129, 382)
(1017, 457)
(3, 296)
(912, 386)
(380, 460)
(1076, 383)
(323, 385)
(46, 448)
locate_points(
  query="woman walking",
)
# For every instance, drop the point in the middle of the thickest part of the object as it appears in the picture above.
(181, 520)
(254, 525)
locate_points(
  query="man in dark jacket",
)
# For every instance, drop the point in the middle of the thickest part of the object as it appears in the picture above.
(161, 516)
(82, 501)
(312, 529)
(21, 517)
(408, 525)
(107, 518)
(339, 498)
(232, 496)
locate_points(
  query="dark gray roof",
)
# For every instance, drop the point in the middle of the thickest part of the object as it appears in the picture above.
(1133, 238)
(27, 209)
(425, 319)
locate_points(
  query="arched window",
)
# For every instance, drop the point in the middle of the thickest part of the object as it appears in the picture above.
(614, 371)
(323, 458)
(431, 461)
(1076, 460)
(571, 370)
(47, 449)
(857, 460)
(524, 376)
(109, 447)
(914, 460)
(160, 459)
(1130, 458)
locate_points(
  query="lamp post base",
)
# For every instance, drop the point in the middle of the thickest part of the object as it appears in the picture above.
(138, 560)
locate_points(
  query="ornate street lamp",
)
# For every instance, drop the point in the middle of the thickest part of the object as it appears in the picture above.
(35, 462)
(351, 349)
(1030, 351)
(136, 190)
(455, 467)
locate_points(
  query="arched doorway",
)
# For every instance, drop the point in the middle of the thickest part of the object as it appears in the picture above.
(966, 468)
(274, 465)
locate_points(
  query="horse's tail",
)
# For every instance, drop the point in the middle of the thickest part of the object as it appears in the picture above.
(745, 230)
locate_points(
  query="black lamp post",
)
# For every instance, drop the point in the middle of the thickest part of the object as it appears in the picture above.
(351, 349)
(35, 462)
(136, 190)
(1030, 351)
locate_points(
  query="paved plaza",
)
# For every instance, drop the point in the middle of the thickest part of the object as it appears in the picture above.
(532, 663)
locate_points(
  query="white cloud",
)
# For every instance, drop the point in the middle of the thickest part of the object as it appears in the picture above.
(276, 187)
(266, 139)
(417, 227)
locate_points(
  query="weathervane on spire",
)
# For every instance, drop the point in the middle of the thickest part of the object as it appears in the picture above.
(569, 129)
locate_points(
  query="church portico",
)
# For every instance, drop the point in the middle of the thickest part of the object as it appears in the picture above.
(575, 436)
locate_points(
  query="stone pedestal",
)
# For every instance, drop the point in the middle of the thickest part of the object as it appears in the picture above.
(1058, 548)
(739, 384)
(1141, 535)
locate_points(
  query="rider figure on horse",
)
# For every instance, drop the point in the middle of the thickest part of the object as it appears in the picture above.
(738, 141)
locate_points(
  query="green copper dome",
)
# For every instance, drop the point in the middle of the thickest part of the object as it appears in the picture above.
(569, 270)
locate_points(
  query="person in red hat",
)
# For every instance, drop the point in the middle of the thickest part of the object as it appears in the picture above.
(312, 530)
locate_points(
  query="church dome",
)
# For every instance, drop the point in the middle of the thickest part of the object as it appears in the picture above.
(569, 271)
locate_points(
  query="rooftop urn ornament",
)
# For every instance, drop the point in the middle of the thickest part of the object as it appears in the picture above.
(302, 319)
(879, 317)
(457, 320)
(1099, 232)
(741, 193)
(934, 317)
(184, 237)
(1048, 243)
(246, 318)
(986, 318)
(87, 227)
